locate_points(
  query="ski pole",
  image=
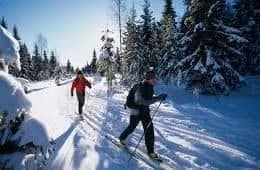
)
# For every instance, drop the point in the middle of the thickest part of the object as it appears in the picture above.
(145, 131)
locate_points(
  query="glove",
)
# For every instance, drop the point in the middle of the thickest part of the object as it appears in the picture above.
(162, 96)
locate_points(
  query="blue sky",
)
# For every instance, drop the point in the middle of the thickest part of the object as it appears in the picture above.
(71, 27)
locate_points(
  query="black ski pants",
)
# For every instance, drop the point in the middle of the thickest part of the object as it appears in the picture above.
(81, 101)
(145, 118)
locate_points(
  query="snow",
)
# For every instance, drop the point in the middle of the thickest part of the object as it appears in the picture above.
(14, 102)
(32, 131)
(188, 58)
(12, 96)
(217, 78)
(211, 9)
(210, 61)
(23, 81)
(199, 67)
(9, 47)
(233, 37)
(191, 131)
(227, 29)
(15, 110)
(198, 27)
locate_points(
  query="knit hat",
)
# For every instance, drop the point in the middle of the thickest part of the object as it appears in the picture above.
(79, 72)
(150, 75)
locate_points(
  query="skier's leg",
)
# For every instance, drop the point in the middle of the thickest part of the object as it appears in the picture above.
(149, 132)
(134, 120)
(80, 100)
(78, 97)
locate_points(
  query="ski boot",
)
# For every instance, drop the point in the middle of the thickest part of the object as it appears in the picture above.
(154, 156)
(122, 143)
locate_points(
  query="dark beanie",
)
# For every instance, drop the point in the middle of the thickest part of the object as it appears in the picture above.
(150, 75)
(79, 72)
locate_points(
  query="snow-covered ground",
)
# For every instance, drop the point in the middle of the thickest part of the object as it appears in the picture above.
(197, 132)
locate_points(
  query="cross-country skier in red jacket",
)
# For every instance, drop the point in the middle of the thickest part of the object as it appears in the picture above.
(80, 83)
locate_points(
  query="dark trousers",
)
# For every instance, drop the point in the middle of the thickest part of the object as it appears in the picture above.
(81, 101)
(145, 118)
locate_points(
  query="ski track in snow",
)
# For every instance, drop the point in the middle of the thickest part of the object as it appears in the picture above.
(179, 137)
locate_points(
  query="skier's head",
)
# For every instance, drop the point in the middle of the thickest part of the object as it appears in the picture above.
(79, 74)
(150, 77)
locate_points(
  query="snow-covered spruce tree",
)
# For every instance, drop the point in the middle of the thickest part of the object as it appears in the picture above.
(145, 45)
(247, 20)
(37, 64)
(16, 34)
(45, 67)
(106, 63)
(170, 51)
(157, 41)
(93, 63)
(4, 23)
(19, 148)
(211, 47)
(26, 63)
(133, 59)
(87, 68)
(53, 65)
(68, 67)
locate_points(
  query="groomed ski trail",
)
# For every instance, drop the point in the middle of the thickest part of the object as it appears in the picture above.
(177, 138)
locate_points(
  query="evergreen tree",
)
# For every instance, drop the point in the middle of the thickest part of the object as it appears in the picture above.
(211, 47)
(26, 63)
(37, 64)
(170, 50)
(16, 34)
(133, 59)
(53, 64)
(183, 27)
(12, 69)
(247, 20)
(169, 15)
(183, 23)
(3, 23)
(106, 64)
(146, 32)
(87, 69)
(46, 67)
(93, 63)
(157, 44)
(68, 67)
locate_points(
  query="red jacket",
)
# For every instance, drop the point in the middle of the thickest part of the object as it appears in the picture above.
(80, 85)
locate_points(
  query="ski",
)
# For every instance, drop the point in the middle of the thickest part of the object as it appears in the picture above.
(80, 116)
(159, 163)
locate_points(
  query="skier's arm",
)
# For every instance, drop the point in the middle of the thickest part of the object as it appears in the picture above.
(148, 102)
(142, 99)
(88, 83)
(72, 87)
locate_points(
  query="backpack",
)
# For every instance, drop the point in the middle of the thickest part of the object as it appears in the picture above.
(130, 99)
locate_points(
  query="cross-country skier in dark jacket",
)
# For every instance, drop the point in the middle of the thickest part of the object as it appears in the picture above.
(80, 83)
(143, 98)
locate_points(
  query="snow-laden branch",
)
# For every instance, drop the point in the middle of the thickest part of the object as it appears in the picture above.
(9, 48)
